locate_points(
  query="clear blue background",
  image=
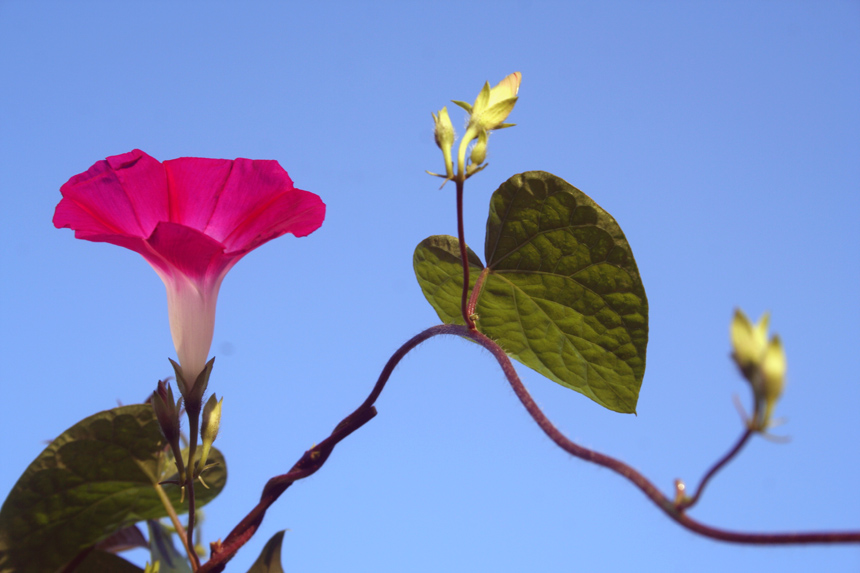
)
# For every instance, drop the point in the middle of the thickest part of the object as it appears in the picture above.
(723, 137)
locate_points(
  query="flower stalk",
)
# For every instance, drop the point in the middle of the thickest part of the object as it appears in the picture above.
(488, 113)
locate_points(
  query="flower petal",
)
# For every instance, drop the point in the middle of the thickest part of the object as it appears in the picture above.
(124, 194)
(196, 185)
(297, 212)
(249, 189)
(144, 182)
(255, 201)
(175, 248)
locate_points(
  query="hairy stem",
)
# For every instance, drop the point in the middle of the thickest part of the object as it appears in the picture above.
(313, 460)
(640, 481)
(476, 292)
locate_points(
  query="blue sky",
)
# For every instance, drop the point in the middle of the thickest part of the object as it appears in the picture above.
(723, 137)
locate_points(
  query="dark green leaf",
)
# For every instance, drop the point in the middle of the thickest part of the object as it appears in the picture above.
(123, 540)
(269, 560)
(93, 480)
(562, 293)
(163, 552)
(104, 562)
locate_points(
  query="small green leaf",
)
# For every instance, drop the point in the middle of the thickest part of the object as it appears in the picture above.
(164, 552)
(562, 293)
(93, 480)
(269, 560)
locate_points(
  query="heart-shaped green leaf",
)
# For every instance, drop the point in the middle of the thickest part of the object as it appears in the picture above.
(561, 292)
(93, 480)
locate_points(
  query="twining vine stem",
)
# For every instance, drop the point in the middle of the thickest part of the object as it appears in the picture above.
(313, 460)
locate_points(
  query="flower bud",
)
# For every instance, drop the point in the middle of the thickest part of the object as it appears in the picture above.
(489, 112)
(748, 342)
(166, 411)
(493, 106)
(445, 136)
(210, 426)
(444, 129)
(773, 369)
(762, 363)
(479, 152)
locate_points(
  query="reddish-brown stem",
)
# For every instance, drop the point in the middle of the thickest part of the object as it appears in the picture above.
(309, 463)
(687, 503)
(464, 255)
(640, 481)
(313, 460)
(476, 292)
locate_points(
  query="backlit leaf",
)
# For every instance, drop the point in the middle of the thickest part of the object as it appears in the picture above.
(562, 292)
(92, 481)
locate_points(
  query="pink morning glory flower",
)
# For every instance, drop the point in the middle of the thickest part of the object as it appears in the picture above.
(192, 219)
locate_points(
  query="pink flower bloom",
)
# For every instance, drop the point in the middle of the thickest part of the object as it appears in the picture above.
(192, 219)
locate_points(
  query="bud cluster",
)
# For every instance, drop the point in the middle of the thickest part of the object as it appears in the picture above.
(489, 112)
(762, 362)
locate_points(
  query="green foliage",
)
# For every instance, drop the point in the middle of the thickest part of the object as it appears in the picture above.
(163, 552)
(93, 480)
(104, 562)
(561, 293)
(269, 560)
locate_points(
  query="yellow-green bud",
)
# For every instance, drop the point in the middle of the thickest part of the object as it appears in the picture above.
(493, 106)
(773, 369)
(748, 342)
(762, 363)
(445, 136)
(210, 426)
(444, 129)
(479, 152)
(490, 110)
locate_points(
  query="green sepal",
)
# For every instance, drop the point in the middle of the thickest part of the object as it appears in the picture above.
(562, 293)
(180, 379)
(202, 382)
(464, 105)
(269, 560)
(194, 396)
